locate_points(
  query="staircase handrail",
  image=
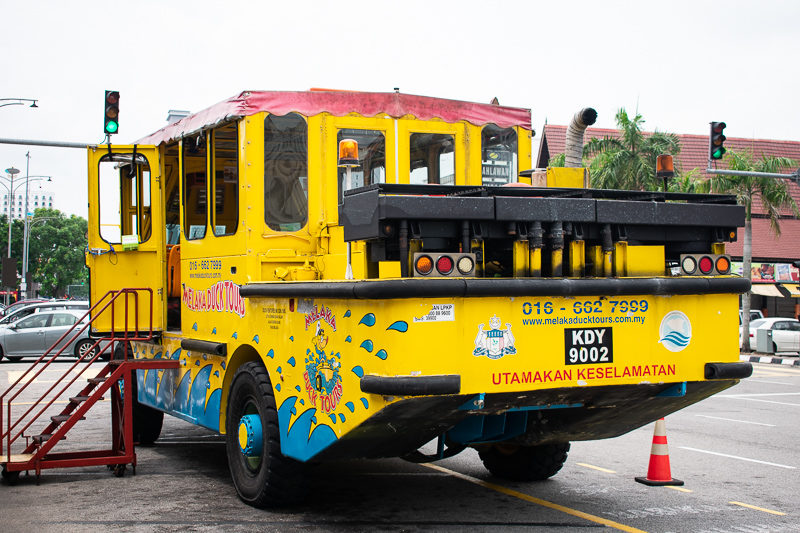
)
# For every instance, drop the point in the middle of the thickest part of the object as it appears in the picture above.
(111, 338)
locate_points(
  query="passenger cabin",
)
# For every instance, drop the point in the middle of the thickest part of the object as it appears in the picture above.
(249, 189)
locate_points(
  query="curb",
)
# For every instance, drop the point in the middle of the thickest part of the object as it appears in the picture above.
(786, 361)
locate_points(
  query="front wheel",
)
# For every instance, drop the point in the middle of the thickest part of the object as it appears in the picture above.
(525, 463)
(261, 474)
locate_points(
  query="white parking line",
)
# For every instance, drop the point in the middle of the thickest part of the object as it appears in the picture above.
(738, 457)
(751, 380)
(739, 421)
(761, 394)
(764, 401)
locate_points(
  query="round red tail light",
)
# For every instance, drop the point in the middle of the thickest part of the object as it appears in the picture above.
(706, 265)
(444, 265)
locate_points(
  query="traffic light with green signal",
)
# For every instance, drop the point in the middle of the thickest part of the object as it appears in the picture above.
(716, 140)
(111, 117)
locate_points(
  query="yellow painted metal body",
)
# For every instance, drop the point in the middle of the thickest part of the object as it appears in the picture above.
(317, 349)
(342, 340)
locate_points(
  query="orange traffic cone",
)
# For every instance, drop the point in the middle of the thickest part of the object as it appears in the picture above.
(658, 473)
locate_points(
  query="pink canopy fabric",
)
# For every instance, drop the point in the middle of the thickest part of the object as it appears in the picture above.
(340, 103)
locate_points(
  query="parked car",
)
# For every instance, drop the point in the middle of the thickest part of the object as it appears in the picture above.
(20, 304)
(32, 335)
(755, 314)
(47, 305)
(785, 333)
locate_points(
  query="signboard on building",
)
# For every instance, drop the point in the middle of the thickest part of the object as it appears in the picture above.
(770, 272)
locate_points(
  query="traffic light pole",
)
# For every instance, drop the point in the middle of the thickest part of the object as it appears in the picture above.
(795, 176)
(54, 144)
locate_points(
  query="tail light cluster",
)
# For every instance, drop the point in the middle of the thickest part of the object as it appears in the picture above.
(436, 265)
(705, 264)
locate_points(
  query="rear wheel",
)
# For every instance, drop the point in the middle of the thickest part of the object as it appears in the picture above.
(261, 474)
(525, 463)
(84, 348)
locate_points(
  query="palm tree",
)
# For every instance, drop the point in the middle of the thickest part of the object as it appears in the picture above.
(690, 182)
(773, 194)
(629, 161)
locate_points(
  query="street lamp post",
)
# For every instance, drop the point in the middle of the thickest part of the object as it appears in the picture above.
(12, 188)
(26, 231)
(11, 172)
(17, 101)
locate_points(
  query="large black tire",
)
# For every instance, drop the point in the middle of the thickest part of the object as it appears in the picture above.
(270, 478)
(147, 422)
(525, 463)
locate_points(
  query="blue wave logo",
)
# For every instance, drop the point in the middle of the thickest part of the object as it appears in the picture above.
(675, 331)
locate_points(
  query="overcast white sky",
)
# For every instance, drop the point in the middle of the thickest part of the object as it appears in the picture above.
(681, 63)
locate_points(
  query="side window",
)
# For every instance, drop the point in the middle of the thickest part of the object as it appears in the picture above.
(225, 168)
(24, 313)
(194, 187)
(37, 321)
(498, 155)
(285, 172)
(63, 319)
(432, 158)
(124, 191)
(171, 196)
(371, 156)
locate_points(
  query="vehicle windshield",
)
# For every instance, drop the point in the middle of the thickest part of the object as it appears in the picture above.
(757, 323)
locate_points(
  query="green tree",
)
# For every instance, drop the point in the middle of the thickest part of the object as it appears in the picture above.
(56, 252)
(690, 182)
(16, 242)
(558, 160)
(773, 195)
(629, 161)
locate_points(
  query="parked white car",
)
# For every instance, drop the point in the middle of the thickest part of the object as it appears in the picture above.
(785, 333)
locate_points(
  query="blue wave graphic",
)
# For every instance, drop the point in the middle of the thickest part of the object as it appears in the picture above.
(676, 338)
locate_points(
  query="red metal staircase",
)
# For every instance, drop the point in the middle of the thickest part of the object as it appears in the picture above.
(114, 378)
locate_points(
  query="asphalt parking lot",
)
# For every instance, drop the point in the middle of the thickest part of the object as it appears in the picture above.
(735, 451)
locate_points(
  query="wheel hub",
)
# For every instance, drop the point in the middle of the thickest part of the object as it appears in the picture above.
(251, 436)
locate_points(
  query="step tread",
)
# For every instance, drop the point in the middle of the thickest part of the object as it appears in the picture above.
(81, 399)
(38, 439)
(62, 418)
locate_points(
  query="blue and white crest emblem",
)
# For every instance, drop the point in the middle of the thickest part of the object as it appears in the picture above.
(496, 342)
(675, 332)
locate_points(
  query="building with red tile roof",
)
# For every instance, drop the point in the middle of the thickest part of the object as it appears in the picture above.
(694, 154)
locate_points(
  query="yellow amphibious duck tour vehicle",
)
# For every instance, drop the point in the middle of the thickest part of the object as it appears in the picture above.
(347, 274)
